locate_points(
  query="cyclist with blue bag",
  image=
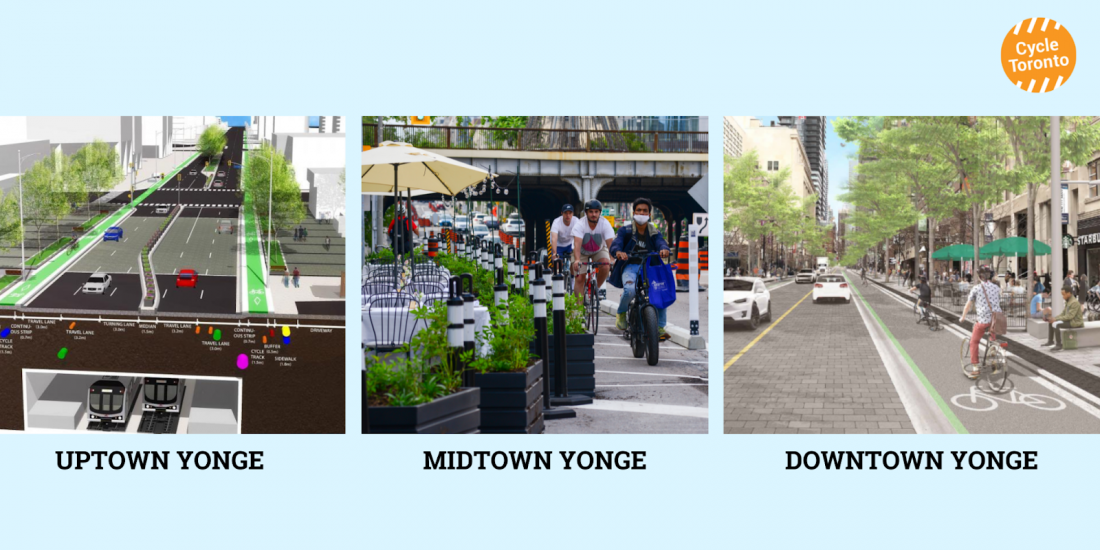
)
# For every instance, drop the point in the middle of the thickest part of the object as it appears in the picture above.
(631, 240)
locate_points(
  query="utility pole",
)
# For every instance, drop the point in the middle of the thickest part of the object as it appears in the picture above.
(1056, 214)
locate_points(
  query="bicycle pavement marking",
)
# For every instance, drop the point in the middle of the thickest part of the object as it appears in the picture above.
(766, 331)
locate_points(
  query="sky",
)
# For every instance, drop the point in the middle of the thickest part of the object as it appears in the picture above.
(314, 121)
(837, 153)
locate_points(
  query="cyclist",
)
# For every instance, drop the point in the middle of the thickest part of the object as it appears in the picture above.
(592, 237)
(637, 236)
(863, 274)
(561, 231)
(924, 298)
(987, 296)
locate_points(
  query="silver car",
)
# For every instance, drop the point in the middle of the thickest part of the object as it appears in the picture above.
(98, 283)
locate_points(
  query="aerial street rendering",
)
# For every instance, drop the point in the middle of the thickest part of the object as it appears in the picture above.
(168, 274)
(534, 274)
(933, 289)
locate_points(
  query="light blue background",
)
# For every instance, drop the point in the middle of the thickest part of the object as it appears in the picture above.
(588, 57)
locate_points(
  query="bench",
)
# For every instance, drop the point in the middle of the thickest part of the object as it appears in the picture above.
(1086, 336)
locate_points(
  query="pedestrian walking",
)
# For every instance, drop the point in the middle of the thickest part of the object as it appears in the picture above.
(286, 278)
(297, 277)
(305, 234)
(327, 242)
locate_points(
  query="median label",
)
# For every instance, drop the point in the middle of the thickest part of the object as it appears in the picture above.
(1038, 55)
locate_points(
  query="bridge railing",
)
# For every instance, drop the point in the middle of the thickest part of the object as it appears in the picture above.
(539, 139)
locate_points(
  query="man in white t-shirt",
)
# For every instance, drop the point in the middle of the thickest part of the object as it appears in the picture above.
(561, 231)
(591, 239)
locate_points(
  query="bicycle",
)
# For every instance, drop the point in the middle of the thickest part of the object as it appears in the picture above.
(641, 316)
(1092, 302)
(591, 297)
(993, 362)
(73, 247)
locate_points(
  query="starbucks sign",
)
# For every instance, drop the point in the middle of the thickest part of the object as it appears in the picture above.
(1067, 241)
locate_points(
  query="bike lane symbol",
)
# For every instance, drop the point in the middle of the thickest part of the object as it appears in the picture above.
(979, 401)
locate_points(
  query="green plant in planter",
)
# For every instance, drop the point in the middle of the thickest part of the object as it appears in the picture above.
(509, 337)
(574, 315)
(397, 381)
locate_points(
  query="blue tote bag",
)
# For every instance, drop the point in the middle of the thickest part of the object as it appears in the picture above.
(662, 283)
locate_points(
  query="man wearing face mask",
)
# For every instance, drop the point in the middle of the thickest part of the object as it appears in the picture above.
(591, 238)
(635, 237)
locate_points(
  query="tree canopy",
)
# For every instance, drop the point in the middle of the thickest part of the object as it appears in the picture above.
(267, 170)
(212, 141)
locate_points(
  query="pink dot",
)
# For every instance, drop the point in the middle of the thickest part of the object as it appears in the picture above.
(242, 361)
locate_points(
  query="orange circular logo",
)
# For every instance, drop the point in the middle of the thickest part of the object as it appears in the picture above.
(1038, 55)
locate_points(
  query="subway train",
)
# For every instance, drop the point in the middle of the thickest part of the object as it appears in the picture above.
(163, 395)
(111, 398)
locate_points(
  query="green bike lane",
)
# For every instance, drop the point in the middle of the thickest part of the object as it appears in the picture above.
(45, 273)
(255, 276)
(1031, 403)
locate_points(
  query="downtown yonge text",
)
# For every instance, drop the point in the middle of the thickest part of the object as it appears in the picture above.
(911, 460)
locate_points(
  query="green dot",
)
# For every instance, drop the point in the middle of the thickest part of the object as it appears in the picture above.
(217, 335)
(61, 354)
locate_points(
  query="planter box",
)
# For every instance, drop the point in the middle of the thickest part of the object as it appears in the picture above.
(580, 352)
(455, 414)
(511, 402)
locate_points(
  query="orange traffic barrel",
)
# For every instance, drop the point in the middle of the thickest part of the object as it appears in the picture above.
(682, 263)
(433, 246)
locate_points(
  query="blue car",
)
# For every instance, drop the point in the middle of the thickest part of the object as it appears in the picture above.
(112, 234)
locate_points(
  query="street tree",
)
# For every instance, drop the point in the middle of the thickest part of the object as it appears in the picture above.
(11, 231)
(267, 173)
(760, 203)
(212, 142)
(45, 196)
(95, 168)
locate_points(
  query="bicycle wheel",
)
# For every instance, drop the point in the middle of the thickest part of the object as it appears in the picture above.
(593, 317)
(996, 367)
(964, 357)
(649, 331)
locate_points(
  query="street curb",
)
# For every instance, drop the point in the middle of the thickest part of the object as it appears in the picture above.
(1066, 371)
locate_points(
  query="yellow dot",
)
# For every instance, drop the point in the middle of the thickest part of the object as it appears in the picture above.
(286, 330)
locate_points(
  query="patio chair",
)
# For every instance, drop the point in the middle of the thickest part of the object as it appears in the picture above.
(394, 327)
(375, 288)
(426, 289)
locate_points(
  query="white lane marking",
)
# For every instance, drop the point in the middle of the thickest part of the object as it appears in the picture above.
(114, 291)
(77, 290)
(125, 239)
(644, 385)
(97, 269)
(181, 254)
(211, 255)
(131, 268)
(193, 228)
(113, 252)
(650, 374)
(645, 408)
(643, 359)
(165, 294)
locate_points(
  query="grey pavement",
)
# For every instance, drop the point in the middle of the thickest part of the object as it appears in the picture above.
(194, 243)
(121, 256)
(816, 371)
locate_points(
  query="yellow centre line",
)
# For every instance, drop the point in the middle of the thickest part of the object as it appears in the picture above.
(762, 334)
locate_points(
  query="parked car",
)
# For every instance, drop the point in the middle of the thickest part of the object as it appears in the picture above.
(514, 225)
(98, 283)
(446, 222)
(113, 233)
(746, 300)
(805, 276)
(832, 287)
(187, 278)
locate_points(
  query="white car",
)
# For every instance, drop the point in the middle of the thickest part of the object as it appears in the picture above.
(98, 283)
(514, 225)
(161, 210)
(460, 223)
(746, 300)
(480, 230)
(805, 276)
(832, 287)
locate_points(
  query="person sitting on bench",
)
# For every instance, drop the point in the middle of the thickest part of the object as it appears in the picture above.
(1071, 317)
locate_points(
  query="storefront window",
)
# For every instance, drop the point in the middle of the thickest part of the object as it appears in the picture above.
(1094, 171)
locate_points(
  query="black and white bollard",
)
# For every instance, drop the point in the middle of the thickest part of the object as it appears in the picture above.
(542, 340)
(460, 246)
(467, 324)
(486, 250)
(532, 261)
(561, 360)
(500, 291)
(456, 325)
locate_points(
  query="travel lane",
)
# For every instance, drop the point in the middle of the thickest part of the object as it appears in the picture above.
(815, 371)
(1034, 404)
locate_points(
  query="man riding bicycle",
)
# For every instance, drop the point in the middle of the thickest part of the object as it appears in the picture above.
(636, 237)
(592, 237)
(561, 231)
(924, 298)
(987, 296)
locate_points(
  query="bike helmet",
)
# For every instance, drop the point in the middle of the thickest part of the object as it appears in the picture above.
(566, 208)
(593, 205)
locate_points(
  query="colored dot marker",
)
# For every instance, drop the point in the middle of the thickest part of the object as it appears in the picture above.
(198, 329)
(71, 325)
(265, 339)
(242, 361)
(286, 330)
(61, 354)
(272, 331)
(210, 330)
(218, 335)
(286, 340)
(4, 333)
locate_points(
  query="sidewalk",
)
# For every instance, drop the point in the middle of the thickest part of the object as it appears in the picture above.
(310, 289)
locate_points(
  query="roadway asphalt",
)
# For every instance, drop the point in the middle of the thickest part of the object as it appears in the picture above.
(120, 256)
(65, 293)
(195, 243)
(840, 368)
(633, 397)
(211, 295)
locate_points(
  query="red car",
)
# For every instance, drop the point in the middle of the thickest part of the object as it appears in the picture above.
(186, 278)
